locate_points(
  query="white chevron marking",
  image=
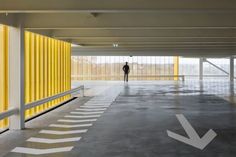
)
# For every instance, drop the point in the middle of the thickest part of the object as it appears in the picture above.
(51, 141)
(70, 126)
(91, 116)
(82, 109)
(62, 132)
(77, 121)
(87, 113)
(94, 106)
(33, 151)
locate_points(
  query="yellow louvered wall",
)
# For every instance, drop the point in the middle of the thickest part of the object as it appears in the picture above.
(47, 70)
(3, 72)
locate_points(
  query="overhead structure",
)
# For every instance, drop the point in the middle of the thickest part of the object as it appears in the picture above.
(160, 27)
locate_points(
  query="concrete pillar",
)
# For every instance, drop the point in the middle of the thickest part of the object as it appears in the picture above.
(231, 73)
(16, 77)
(201, 69)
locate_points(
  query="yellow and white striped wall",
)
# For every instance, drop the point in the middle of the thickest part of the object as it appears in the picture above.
(47, 71)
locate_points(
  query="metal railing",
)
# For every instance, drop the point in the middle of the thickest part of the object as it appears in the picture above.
(8, 113)
(130, 76)
(14, 111)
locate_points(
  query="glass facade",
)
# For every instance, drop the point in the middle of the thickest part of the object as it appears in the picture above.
(213, 68)
(110, 67)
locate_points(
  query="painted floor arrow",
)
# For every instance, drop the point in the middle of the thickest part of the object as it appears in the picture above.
(33, 151)
(194, 139)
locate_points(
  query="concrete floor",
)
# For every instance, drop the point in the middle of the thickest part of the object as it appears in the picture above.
(135, 124)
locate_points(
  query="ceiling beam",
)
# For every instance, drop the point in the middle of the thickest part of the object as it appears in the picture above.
(35, 21)
(138, 28)
(187, 52)
(138, 33)
(111, 6)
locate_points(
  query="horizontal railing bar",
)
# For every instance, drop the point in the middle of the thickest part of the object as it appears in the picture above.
(45, 100)
(207, 76)
(129, 75)
(8, 113)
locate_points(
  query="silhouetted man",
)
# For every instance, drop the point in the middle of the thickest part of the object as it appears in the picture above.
(126, 72)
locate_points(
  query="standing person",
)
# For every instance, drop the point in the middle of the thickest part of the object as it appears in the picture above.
(126, 72)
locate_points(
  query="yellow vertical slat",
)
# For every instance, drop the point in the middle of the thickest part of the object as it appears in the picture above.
(59, 70)
(27, 71)
(46, 70)
(37, 75)
(69, 64)
(33, 69)
(56, 70)
(65, 68)
(53, 70)
(49, 69)
(3, 73)
(62, 70)
(176, 67)
(41, 71)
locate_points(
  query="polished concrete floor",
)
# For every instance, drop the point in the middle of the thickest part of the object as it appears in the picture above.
(135, 121)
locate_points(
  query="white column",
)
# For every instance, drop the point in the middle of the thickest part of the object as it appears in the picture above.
(201, 69)
(16, 77)
(231, 73)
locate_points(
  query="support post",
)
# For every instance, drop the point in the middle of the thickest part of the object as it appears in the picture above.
(16, 77)
(231, 73)
(82, 91)
(201, 69)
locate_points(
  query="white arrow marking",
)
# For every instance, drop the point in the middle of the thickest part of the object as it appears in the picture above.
(94, 106)
(33, 151)
(82, 109)
(91, 116)
(62, 132)
(70, 126)
(87, 113)
(51, 141)
(77, 121)
(194, 139)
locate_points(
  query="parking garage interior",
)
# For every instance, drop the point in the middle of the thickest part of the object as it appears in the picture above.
(62, 86)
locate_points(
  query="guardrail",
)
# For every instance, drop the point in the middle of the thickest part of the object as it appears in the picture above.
(8, 113)
(130, 76)
(14, 111)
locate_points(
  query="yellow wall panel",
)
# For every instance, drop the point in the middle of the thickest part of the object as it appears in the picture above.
(47, 70)
(3, 73)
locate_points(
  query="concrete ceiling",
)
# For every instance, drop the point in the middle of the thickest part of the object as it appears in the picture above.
(140, 27)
